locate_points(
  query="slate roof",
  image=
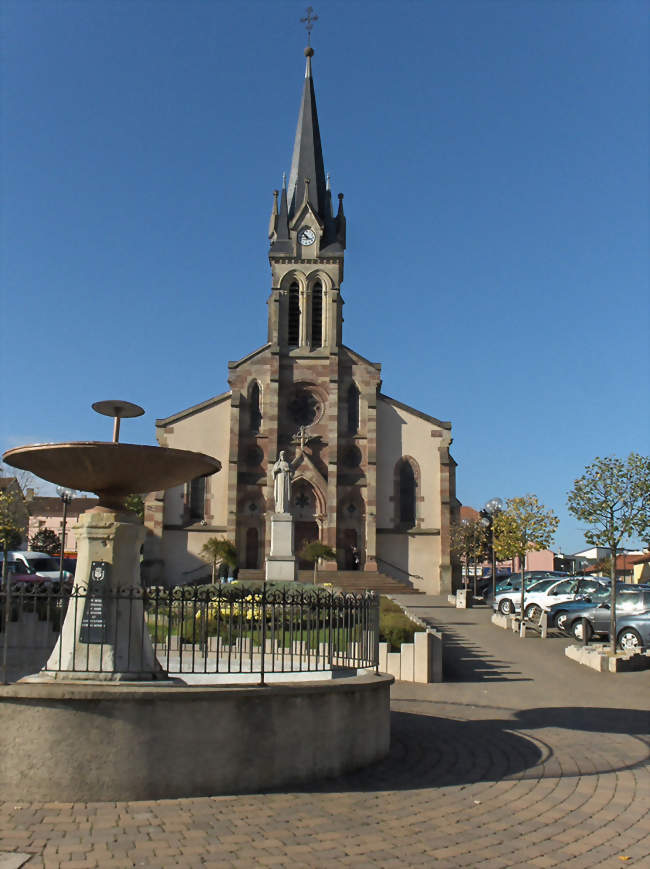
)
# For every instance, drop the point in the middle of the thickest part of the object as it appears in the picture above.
(307, 160)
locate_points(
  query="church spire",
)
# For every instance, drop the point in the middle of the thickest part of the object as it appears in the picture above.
(307, 161)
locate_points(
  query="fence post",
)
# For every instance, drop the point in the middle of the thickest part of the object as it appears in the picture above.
(376, 620)
(5, 639)
(263, 638)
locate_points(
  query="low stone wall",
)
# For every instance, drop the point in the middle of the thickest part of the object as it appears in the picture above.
(96, 742)
(599, 657)
(419, 661)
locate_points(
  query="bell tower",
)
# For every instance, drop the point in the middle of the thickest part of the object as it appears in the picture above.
(307, 246)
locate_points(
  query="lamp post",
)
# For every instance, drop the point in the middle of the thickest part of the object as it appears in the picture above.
(66, 495)
(465, 525)
(493, 507)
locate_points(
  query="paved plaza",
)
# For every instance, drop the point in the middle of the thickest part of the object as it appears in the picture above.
(521, 757)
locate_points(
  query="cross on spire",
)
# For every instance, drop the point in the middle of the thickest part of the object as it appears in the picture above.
(308, 21)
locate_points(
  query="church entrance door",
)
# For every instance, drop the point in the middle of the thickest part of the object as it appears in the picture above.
(304, 532)
(252, 548)
(350, 543)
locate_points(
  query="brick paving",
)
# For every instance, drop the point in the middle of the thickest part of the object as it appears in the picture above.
(521, 758)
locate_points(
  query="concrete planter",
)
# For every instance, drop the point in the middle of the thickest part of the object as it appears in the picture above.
(598, 657)
(419, 661)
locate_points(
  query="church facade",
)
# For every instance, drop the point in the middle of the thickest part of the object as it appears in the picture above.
(372, 478)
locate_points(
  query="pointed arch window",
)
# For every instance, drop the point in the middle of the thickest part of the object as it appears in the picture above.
(197, 499)
(293, 332)
(406, 494)
(317, 315)
(255, 409)
(353, 409)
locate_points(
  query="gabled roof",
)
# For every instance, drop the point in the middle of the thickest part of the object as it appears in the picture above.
(419, 413)
(182, 414)
(42, 505)
(361, 358)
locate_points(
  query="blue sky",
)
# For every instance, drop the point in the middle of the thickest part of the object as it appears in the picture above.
(493, 157)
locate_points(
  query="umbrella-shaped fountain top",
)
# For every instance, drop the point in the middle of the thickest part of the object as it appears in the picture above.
(112, 470)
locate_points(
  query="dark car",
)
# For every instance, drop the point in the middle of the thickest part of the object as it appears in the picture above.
(567, 607)
(629, 604)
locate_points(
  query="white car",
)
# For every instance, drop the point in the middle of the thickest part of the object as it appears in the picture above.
(546, 593)
(37, 562)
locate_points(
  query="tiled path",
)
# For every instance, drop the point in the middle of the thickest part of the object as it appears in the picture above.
(522, 758)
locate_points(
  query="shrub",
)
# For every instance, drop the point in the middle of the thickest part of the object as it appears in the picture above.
(395, 627)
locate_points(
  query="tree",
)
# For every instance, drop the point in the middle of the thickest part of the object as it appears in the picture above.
(613, 497)
(45, 540)
(314, 551)
(219, 550)
(10, 528)
(469, 540)
(135, 503)
(524, 526)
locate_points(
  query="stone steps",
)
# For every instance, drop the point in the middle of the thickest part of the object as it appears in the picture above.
(347, 580)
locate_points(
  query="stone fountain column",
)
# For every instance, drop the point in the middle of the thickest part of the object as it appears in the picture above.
(104, 636)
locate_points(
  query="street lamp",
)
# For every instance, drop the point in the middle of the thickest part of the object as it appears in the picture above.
(66, 495)
(493, 507)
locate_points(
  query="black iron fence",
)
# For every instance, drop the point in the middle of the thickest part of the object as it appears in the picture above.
(197, 632)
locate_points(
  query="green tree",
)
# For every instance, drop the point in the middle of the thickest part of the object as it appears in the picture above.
(135, 503)
(314, 551)
(10, 529)
(613, 498)
(524, 526)
(469, 540)
(217, 550)
(45, 540)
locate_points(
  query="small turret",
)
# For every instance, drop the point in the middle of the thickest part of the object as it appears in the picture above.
(273, 220)
(340, 223)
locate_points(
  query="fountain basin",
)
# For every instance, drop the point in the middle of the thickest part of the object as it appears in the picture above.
(111, 470)
(128, 742)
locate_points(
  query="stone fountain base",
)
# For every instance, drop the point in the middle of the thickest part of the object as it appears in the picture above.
(104, 637)
(73, 742)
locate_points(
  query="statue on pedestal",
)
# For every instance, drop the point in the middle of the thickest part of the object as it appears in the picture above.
(282, 474)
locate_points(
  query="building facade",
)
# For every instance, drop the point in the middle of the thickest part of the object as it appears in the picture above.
(373, 478)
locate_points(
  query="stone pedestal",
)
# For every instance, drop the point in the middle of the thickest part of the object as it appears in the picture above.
(104, 636)
(281, 563)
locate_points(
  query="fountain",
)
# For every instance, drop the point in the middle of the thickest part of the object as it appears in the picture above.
(116, 728)
(108, 539)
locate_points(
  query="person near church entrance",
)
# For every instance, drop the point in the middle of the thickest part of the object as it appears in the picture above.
(356, 559)
(282, 474)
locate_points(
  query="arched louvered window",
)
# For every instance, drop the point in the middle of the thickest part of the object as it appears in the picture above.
(317, 315)
(256, 413)
(406, 494)
(353, 409)
(293, 332)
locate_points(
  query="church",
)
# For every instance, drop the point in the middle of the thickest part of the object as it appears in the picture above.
(372, 477)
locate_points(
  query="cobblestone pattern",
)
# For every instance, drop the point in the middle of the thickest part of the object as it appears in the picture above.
(463, 786)
(473, 779)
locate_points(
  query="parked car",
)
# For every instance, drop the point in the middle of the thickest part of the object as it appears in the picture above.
(509, 599)
(513, 582)
(630, 603)
(601, 595)
(19, 575)
(38, 562)
(547, 592)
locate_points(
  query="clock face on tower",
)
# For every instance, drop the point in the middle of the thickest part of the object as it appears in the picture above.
(306, 236)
